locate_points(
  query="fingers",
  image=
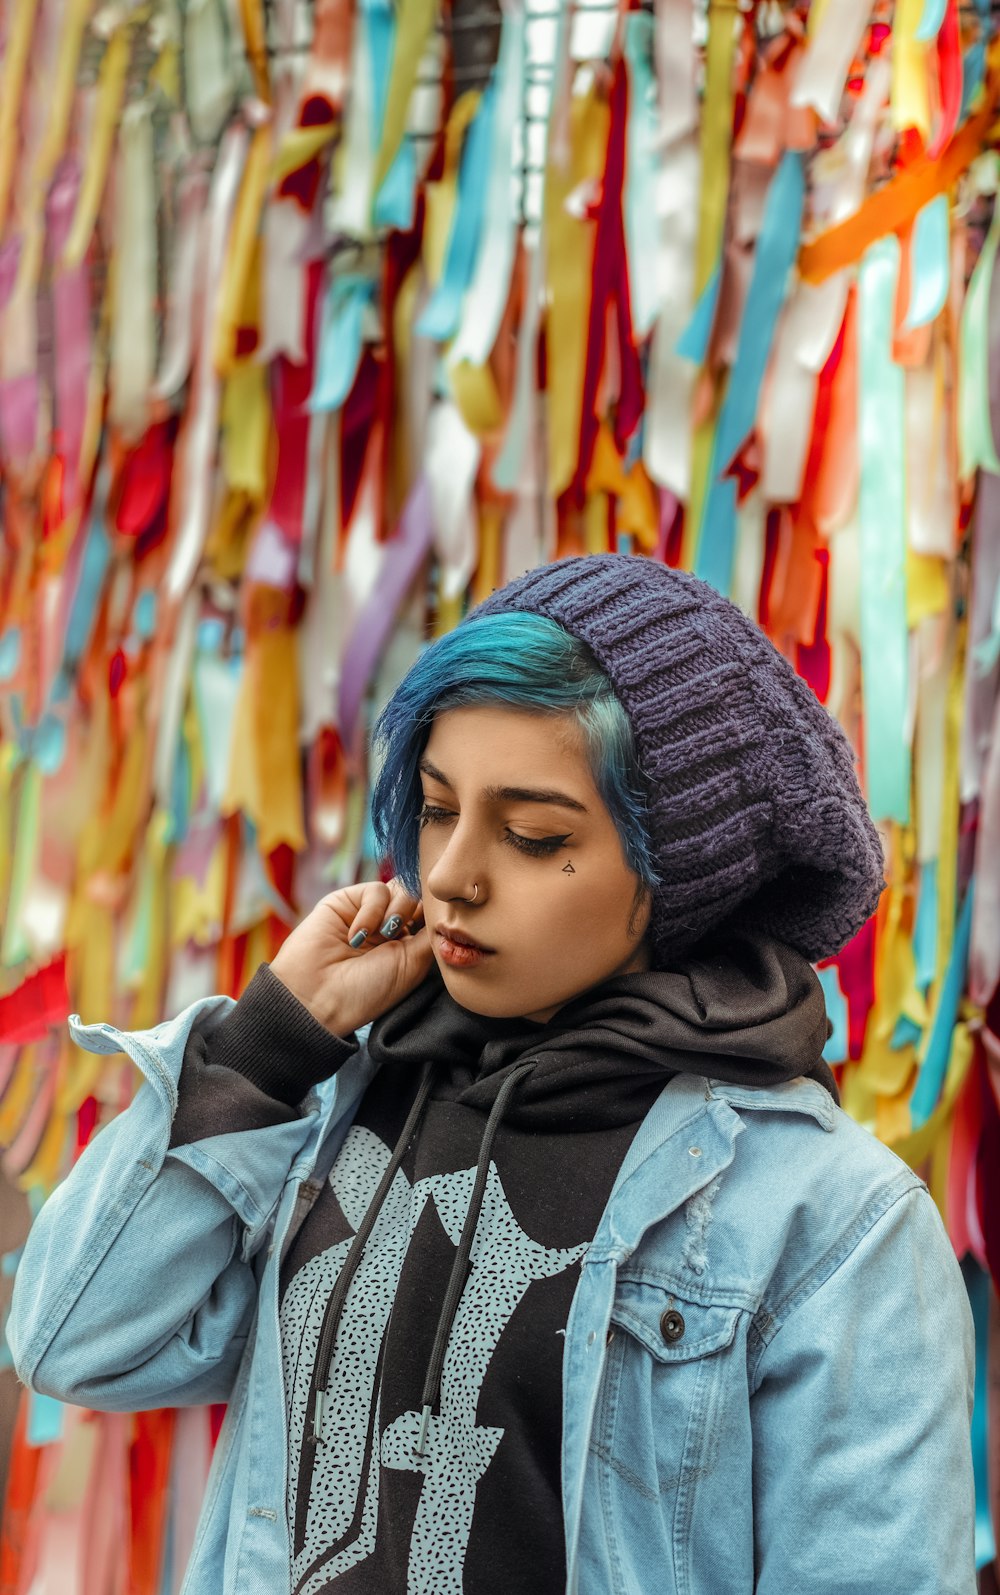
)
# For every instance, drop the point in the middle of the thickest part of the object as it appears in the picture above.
(383, 912)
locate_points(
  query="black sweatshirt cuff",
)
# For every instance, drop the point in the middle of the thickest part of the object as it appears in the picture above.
(274, 1042)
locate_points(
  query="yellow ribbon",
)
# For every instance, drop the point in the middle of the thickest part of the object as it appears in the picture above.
(716, 139)
(909, 103)
(107, 114)
(264, 776)
(915, 1148)
(246, 423)
(414, 21)
(147, 1007)
(59, 106)
(441, 196)
(569, 244)
(243, 253)
(255, 36)
(22, 24)
(299, 146)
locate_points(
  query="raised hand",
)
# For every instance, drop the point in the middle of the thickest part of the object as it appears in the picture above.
(358, 952)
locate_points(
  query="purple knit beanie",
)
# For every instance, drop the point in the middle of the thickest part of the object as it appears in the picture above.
(755, 813)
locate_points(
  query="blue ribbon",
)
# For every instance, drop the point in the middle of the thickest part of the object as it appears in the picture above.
(443, 310)
(925, 928)
(836, 1047)
(693, 341)
(10, 653)
(45, 1419)
(974, 60)
(927, 1090)
(931, 19)
(930, 263)
(346, 300)
(777, 247)
(906, 1033)
(96, 556)
(394, 200)
(882, 526)
(977, 1283)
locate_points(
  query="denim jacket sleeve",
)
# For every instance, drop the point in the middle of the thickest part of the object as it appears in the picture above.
(137, 1286)
(860, 1415)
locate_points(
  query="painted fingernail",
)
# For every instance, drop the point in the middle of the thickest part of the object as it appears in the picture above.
(359, 939)
(391, 925)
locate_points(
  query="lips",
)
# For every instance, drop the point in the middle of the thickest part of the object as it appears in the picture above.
(459, 938)
(459, 950)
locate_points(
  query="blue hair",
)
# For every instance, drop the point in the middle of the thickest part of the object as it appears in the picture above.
(526, 662)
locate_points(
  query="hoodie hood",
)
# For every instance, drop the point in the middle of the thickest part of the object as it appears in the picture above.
(745, 1008)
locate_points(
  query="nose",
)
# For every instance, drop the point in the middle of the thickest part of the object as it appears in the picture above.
(458, 869)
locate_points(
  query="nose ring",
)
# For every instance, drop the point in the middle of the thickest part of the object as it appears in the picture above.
(475, 893)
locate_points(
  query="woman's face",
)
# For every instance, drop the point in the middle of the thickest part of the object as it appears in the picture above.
(510, 807)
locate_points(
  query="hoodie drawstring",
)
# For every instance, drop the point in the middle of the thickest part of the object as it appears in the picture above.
(338, 1296)
(460, 1267)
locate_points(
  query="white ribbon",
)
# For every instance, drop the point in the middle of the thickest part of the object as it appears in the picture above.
(827, 60)
(806, 335)
(133, 327)
(453, 454)
(199, 441)
(183, 284)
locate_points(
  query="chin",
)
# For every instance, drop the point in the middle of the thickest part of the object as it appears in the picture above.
(497, 1004)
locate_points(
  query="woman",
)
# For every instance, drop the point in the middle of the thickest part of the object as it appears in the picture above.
(568, 1272)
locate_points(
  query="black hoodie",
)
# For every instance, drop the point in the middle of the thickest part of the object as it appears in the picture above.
(423, 1379)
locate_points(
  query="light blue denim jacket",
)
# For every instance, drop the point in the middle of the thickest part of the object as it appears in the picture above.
(800, 1422)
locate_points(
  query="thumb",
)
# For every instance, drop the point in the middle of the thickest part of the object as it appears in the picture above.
(417, 954)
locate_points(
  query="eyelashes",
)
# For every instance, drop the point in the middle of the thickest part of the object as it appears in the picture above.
(534, 846)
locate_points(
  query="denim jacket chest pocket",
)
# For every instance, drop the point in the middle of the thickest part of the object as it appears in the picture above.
(670, 1361)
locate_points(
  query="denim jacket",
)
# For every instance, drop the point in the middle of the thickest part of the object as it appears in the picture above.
(768, 1365)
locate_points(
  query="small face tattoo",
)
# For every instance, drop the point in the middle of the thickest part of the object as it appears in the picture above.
(568, 869)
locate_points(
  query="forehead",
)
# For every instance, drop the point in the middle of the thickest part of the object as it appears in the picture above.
(491, 745)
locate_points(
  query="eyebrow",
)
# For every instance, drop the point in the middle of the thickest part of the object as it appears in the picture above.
(511, 794)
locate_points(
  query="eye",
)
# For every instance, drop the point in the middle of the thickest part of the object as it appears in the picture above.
(537, 846)
(432, 816)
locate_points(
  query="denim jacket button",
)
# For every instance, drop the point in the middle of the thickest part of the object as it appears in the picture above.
(672, 1325)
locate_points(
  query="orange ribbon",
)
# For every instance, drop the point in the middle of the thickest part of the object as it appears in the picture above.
(895, 205)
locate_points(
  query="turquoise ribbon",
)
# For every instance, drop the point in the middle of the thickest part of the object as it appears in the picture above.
(216, 685)
(144, 615)
(882, 514)
(906, 1033)
(930, 266)
(443, 310)
(974, 60)
(934, 1065)
(693, 341)
(45, 1419)
(776, 250)
(48, 745)
(180, 792)
(394, 201)
(925, 927)
(641, 222)
(347, 299)
(931, 19)
(836, 1047)
(96, 557)
(10, 653)
(977, 1283)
